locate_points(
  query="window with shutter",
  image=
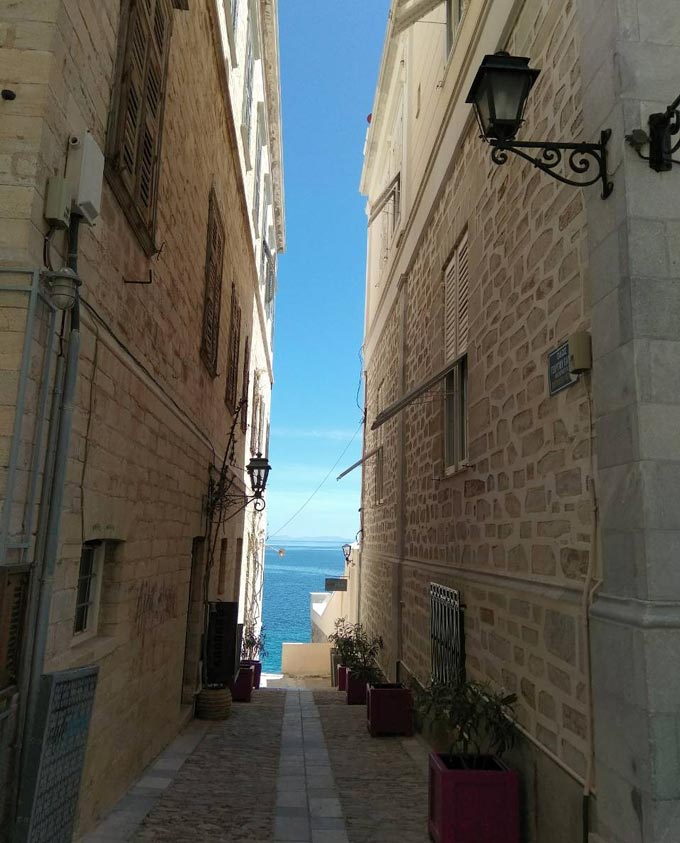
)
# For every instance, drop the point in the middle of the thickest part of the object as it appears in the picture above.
(214, 260)
(254, 422)
(246, 116)
(246, 385)
(456, 337)
(134, 140)
(13, 598)
(234, 349)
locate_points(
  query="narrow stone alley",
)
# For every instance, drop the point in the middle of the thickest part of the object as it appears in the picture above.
(294, 766)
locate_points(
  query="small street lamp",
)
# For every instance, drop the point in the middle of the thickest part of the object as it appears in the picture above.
(258, 471)
(347, 551)
(63, 286)
(499, 95)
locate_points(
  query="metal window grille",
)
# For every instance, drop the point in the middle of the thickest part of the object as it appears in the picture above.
(87, 587)
(447, 635)
(214, 260)
(13, 594)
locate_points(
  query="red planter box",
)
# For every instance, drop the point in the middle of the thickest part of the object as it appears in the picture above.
(473, 806)
(342, 677)
(256, 664)
(242, 687)
(356, 689)
(389, 710)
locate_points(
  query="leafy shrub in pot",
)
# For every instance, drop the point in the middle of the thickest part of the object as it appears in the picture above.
(473, 795)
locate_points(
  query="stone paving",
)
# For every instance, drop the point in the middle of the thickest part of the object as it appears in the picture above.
(382, 782)
(293, 766)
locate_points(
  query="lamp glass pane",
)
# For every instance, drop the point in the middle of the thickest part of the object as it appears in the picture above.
(508, 95)
(483, 104)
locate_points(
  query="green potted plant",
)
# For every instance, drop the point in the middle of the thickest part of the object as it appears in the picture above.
(343, 641)
(253, 650)
(362, 667)
(474, 796)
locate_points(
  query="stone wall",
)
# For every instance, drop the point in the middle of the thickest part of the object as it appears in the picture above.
(513, 530)
(149, 418)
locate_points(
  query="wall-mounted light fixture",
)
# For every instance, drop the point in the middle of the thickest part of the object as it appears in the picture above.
(258, 471)
(221, 494)
(499, 95)
(662, 127)
(347, 552)
(63, 286)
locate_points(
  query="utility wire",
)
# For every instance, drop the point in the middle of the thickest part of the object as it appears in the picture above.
(330, 471)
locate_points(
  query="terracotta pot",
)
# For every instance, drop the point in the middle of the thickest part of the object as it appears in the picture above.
(389, 710)
(356, 689)
(256, 664)
(242, 687)
(473, 806)
(213, 704)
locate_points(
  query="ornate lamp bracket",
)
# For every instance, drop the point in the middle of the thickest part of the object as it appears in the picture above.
(588, 161)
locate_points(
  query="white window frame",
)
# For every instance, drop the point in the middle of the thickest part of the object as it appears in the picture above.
(455, 417)
(93, 596)
(248, 84)
(455, 10)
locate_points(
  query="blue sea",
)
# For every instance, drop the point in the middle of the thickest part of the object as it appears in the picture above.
(288, 580)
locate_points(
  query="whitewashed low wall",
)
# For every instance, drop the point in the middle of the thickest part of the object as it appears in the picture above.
(306, 659)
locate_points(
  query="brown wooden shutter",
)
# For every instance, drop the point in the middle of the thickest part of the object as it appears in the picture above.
(13, 596)
(214, 260)
(234, 348)
(246, 385)
(136, 153)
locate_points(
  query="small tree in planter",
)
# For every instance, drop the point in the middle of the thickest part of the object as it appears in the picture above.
(253, 650)
(474, 796)
(362, 668)
(344, 642)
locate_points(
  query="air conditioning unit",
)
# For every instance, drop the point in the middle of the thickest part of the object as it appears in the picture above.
(224, 642)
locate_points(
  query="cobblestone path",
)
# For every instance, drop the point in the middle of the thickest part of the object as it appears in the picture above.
(226, 790)
(293, 766)
(382, 781)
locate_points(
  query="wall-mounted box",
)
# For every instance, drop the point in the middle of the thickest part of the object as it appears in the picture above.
(84, 176)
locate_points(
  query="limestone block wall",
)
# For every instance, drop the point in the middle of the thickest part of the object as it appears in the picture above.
(514, 531)
(149, 419)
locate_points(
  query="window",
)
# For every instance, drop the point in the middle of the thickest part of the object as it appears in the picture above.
(234, 351)
(265, 208)
(455, 10)
(246, 118)
(246, 385)
(89, 588)
(222, 571)
(456, 330)
(13, 597)
(135, 129)
(258, 178)
(379, 462)
(214, 259)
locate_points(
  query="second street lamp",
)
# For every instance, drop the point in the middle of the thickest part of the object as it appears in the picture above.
(499, 95)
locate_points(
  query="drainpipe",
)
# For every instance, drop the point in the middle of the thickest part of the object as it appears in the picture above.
(401, 475)
(54, 503)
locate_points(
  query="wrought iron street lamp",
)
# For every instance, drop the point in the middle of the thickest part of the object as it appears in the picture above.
(258, 471)
(499, 95)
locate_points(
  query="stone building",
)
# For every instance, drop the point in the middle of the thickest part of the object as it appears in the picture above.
(175, 331)
(552, 518)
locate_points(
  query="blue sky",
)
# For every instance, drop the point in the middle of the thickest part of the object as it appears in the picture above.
(330, 57)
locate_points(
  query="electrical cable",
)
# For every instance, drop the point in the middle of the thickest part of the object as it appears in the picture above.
(361, 377)
(331, 470)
